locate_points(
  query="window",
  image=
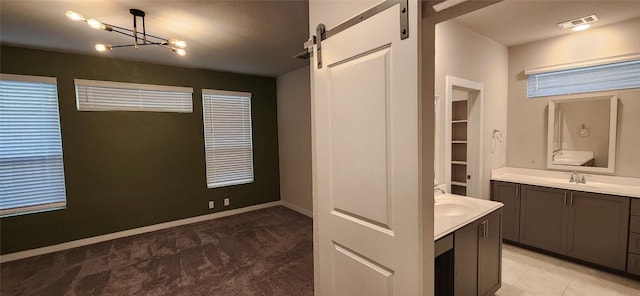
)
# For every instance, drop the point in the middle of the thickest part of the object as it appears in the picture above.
(94, 95)
(601, 77)
(227, 137)
(31, 166)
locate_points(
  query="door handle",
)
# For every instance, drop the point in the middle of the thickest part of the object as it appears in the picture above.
(486, 228)
(571, 199)
(484, 232)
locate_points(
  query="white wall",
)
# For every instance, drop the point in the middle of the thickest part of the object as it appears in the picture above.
(294, 139)
(527, 118)
(466, 54)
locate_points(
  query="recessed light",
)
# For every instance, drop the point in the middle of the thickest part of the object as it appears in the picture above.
(579, 23)
(581, 27)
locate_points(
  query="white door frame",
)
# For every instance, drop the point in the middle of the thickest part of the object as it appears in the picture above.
(475, 143)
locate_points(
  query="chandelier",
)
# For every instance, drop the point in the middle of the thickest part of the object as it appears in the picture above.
(139, 38)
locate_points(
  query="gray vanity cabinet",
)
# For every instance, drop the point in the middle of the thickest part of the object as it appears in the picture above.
(508, 194)
(598, 228)
(633, 257)
(478, 253)
(586, 226)
(544, 218)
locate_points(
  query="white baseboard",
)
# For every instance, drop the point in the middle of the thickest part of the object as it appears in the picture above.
(130, 232)
(297, 209)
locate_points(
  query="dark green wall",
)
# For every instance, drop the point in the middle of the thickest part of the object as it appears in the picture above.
(130, 169)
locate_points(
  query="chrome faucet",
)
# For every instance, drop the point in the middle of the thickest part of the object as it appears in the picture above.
(559, 152)
(437, 189)
(577, 178)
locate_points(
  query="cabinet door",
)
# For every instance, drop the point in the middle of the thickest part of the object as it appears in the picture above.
(465, 279)
(543, 218)
(598, 228)
(490, 255)
(509, 195)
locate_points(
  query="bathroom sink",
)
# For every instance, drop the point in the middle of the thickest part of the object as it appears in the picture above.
(570, 157)
(452, 208)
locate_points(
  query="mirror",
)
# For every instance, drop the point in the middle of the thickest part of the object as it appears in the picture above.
(581, 134)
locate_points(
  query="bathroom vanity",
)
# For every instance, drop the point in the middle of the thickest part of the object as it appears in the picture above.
(596, 223)
(468, 245)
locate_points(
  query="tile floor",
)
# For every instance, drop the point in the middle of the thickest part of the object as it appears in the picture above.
(527, 273)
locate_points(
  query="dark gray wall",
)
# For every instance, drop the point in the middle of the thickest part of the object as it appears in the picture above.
(130, 169)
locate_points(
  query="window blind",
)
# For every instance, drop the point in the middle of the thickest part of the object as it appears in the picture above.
(620, 75)
(31, 166)
(94, 95)
(227, 136)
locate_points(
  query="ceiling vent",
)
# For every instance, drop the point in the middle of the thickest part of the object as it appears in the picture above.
(578, 22)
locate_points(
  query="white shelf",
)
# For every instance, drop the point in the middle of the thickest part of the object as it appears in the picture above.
(459, 184)
(459, 142)
(459, 121)
(458, 162)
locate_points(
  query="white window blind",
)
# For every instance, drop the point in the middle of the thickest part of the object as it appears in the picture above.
(31, 166)
(227, 137)
(94, 95)
(612, 76)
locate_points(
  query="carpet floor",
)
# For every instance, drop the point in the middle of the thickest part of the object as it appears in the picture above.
(263, 252)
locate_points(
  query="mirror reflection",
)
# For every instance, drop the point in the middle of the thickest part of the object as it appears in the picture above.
(582, 133)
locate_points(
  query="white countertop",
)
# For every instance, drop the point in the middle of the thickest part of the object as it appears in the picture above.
(614, 185)
(446, 223)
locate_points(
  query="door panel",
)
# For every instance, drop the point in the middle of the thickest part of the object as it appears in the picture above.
(359, 137)
(598, 228)
(508, 194)
(490, 256)
(543, 218)
(365, 119)
(357, 275)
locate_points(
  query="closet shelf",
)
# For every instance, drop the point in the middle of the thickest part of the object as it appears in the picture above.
(458, 162)
(458, 142)
(461, 184)
(459, 121)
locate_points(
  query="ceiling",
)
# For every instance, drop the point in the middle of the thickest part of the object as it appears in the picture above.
(256, 37)
(250, 37)
(515, 22)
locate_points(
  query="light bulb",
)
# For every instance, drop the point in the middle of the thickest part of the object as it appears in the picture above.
(179, 51)
(95, 24)
(102, 47)
(178, 43)
(581, 27)
(74, 16)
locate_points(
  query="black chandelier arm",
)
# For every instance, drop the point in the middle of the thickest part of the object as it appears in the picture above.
(129, 32)
(141, 44)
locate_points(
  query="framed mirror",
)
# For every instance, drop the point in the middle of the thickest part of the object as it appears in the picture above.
(581, 134)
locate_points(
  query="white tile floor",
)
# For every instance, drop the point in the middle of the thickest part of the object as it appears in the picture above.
(527, 273)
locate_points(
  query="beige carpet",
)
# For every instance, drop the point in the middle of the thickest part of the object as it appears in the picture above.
(264, 252)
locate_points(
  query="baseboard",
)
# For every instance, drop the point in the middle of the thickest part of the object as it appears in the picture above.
(130, 232)
(297, 209)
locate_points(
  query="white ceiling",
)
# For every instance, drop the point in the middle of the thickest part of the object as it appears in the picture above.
(252, 37)
(256, 37)
(515, 22)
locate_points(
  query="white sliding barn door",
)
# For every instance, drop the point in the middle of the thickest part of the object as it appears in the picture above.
(366, 160)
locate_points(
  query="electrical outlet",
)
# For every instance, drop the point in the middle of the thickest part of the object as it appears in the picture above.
(212, 204)
(226, 201)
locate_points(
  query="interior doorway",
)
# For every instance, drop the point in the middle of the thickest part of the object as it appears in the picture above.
(463, 130)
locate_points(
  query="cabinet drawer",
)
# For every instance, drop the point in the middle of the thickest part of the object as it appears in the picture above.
(634, 243)
(635, 206)
(633, 264)
(634, 224)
